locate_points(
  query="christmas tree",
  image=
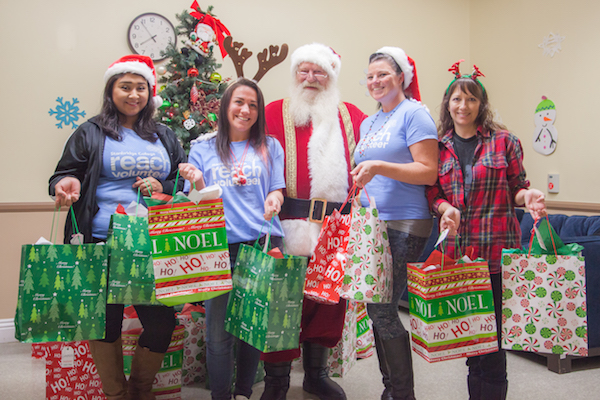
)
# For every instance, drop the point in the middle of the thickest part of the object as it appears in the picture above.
(192, 87)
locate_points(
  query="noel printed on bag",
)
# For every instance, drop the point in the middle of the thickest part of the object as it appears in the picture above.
(368, 273)
(131, 271)
(451, 308)
(62, 293)
(190, 251)
(325, 270)
(544, 305)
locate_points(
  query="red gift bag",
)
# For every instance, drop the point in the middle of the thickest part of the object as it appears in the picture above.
(325, 270)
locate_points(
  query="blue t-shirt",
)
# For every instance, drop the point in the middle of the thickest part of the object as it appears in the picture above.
(122, 162)
(387, 137)
(244, 205)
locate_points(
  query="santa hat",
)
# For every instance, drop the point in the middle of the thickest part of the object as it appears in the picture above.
(407, 65)
(139, 65)
(319, 54)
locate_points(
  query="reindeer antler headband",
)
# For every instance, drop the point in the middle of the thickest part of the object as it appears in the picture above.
(455, 69)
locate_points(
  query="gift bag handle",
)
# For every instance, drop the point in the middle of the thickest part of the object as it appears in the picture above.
(53, 229)
(535, 221)
(456, 246)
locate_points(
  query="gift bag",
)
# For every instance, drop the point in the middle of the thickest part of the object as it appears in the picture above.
(368, 273)
(343, 356)
(193, 319)
(544, 296)
(62, 292)
(365, 340)
(71, 372)
(131, 271)
(190, 251)
(265, 306)
(325, 270)
(451, 309)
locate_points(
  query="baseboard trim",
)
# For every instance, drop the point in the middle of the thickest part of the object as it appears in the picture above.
(7, 330)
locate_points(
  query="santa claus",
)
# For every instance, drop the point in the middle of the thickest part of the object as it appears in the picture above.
(318, 134)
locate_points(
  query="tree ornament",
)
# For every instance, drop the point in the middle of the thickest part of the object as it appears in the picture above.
(161, 70)
(215, 77)
(176, 105)
(185, 51)
(189, 123)
(186, 114)
(193, 72)
(212, 117)
(199, 60)
(163, 87)
(193, 37)
(194, 94)
(165, 104)
(171, 114)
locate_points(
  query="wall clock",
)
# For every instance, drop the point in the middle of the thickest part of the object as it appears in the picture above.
(149, 34)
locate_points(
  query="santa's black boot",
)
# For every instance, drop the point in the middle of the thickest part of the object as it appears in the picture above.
(277, 380)
(316, 376)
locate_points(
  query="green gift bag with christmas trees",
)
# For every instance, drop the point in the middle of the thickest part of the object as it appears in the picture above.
(131, 271)
(265, 305)
(62, 293)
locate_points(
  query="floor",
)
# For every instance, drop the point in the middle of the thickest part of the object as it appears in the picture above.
(23, 377)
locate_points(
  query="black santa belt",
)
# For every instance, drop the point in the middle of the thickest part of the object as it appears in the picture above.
(314, 209)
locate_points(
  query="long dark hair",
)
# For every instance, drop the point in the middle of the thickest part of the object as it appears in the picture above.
(258, 137)
(108, 119)
(485, 117)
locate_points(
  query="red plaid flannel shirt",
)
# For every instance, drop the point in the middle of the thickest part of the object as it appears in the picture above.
(488, 219)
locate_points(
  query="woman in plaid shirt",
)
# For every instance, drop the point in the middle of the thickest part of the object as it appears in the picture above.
(481, 181)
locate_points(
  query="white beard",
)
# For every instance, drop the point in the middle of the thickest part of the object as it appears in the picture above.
(307, 106)
(327, 162)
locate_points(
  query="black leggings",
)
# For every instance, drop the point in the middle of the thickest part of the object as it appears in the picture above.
(158, 322)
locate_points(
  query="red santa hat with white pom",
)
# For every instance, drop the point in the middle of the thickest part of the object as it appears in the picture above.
(407, 65)
(139, 65)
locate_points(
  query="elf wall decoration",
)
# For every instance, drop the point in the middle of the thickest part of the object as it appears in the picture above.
(545, 137)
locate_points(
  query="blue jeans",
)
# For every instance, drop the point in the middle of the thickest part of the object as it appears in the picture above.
(405, 248)
(219, 346)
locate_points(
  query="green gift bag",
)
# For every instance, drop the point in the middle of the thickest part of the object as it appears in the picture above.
(131, 271)
(62, 293)
(265, 306)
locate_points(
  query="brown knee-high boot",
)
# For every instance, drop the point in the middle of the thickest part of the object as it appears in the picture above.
(144, 366)
(108, 358)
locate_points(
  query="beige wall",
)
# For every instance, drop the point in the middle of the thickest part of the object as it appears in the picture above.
(61, 49)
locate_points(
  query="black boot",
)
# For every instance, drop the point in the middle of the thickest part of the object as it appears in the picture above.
(493, 391)
(398, 356)
(383, 367)
(277, 380)
(316, 376)
(474, 385)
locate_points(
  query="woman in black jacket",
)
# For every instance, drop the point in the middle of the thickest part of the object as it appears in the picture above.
(104, 163)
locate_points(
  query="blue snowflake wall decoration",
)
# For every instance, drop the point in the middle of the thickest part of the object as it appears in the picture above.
(67, 113)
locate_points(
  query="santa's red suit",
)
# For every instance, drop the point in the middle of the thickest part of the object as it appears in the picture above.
(322, 170)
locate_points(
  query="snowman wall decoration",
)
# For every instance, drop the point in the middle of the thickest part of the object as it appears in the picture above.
(545, 137)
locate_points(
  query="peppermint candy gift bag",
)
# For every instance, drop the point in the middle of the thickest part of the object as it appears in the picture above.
(368, 273)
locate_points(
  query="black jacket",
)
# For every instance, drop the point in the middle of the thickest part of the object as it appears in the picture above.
(82, 159)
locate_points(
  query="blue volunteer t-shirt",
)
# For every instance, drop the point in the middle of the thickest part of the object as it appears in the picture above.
(244, 205)
(122, 162)
(387, 137)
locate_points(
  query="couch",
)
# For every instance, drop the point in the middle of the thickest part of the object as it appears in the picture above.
(584, 230)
